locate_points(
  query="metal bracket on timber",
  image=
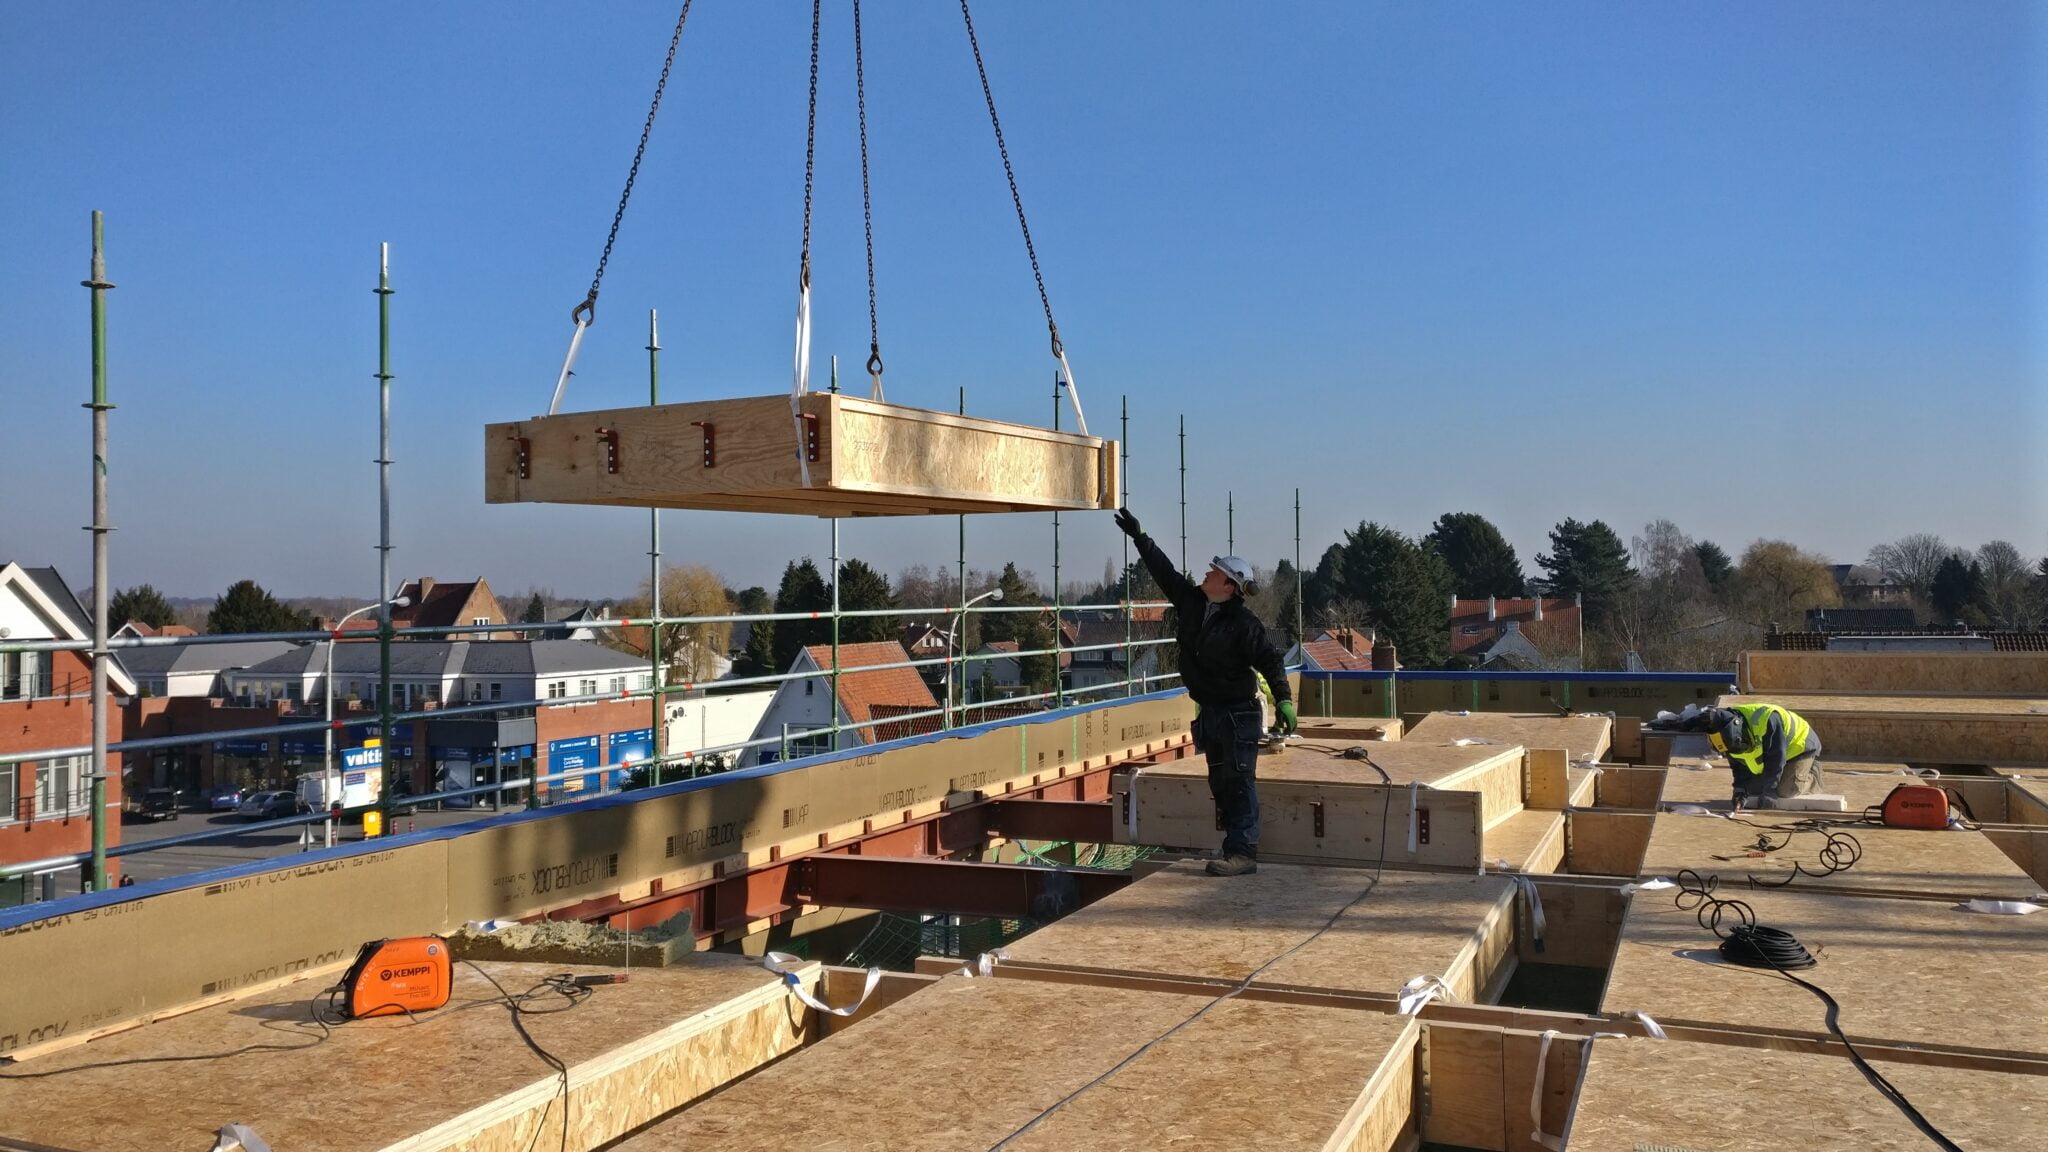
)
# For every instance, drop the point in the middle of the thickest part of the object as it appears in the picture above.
(851, 457)
(1079, 821)
(901, 884)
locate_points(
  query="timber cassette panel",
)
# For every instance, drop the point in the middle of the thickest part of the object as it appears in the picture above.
(1317, 805)
(832, 455)
(1584, 738)
(1640, 1093)
(1781, 848)
(458, 1077)
(968, 1063)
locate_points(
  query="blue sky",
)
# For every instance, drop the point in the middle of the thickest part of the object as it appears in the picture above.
(1765, 270)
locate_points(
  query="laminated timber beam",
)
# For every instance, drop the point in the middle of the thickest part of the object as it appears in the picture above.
(901, 884)
(834, 455)
(1079, 821)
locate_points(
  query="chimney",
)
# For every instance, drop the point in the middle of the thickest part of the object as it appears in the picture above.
(1454, 603)
(1492, 610)
(1539, 605)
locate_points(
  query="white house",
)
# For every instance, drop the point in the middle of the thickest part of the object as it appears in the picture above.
(436, 672)
(800, 717)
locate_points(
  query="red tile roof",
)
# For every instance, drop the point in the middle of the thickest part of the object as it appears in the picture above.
(894, 690)
(1330, 656)
(1558, 630)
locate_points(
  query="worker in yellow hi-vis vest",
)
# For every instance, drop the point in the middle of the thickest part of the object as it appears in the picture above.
(1772, 751)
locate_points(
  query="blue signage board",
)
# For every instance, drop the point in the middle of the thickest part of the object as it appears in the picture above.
(241, 747)
(570, 755)
(362, 758)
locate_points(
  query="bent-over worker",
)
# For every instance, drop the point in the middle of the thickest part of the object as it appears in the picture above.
(1773, 752)
(1224, 650)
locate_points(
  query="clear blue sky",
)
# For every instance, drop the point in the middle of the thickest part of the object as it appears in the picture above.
(1765, 270)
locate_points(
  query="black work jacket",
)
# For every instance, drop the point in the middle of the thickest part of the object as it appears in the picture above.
(1219, 651)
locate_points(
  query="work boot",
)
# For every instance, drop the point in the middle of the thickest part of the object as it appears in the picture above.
(1233, 866)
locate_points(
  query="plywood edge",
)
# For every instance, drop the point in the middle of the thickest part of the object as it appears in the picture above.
(1382, 1116)
(31, 1051)
(520, 1118)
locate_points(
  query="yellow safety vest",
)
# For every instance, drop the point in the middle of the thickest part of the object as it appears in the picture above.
(1757, 719)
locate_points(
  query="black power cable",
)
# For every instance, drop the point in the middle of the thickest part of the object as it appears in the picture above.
(565, 986)
(1839, 854)
(1752, 945)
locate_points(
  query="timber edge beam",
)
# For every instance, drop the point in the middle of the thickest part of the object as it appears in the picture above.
(835, 455)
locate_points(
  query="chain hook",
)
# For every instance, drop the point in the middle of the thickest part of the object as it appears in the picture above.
(585, 314)
(875, 362)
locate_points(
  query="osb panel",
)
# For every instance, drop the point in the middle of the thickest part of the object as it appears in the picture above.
(1878, 957)
(1934, 729)
(1462, 1070)
(1603, 843)
(339, 1093)
(1628, 787)
(1904, 706)
(1385, 728)
(1860, 783)
(1175, 810)
(1582, 924)
(1549, 778)
(1311, 761)
(1916, 673)
(1182, 922)
(2027, 848)
(967, 1063)
(1498, 783)
(1531, 840)
(1641, 1093)
(1908, 861)
(1583, 737)
(1560, 1078)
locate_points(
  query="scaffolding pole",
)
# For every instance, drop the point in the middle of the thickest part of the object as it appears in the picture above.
(1059, 688)
(1300, 634)
(1183, 492)
(101, 655)
(656, 701)
(1124, 446)
(385, 593)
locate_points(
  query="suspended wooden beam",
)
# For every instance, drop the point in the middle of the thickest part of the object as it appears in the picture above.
(863, 458)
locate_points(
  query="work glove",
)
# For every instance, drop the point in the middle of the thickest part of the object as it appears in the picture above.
(1288, 723)
(1128, 523)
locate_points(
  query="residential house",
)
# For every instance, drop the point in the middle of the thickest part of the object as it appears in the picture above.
(136, 629)
(46, 703)
(1860, 619)
(1330, 653)
(801, 717)
(1518, 633)
(168, 670)
(1862, 586)
(1099, 656)
(449, 604)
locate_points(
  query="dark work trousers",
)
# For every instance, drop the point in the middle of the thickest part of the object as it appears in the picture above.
(1229, 735)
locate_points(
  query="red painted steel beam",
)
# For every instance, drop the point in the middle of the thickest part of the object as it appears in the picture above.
(1082, 821)
(956, 887)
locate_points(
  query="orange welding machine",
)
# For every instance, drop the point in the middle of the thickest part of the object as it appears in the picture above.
(408, 974)
(1914, 806)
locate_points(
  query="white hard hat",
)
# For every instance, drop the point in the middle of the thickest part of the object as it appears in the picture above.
(1239, 572)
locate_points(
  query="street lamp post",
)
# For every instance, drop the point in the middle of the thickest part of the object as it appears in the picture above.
(328, 793)
(959, 622)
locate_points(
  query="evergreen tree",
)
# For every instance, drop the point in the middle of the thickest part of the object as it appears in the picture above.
(142, 604)
(1030, 630)
(1960, 594)
(1287, 607)
(862, 589)
(246, 607)
(536, 610)
(1481, 561)
(1714, 565)
(1589, 561)
(802, 590)
(1402, 588)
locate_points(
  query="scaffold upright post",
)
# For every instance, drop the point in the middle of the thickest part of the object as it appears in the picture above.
(101, 655)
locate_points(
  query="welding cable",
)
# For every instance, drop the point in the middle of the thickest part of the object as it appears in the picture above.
(1751, 945)
(562, 985)
(1839, 854)
(326, 1031)
(1242, 985)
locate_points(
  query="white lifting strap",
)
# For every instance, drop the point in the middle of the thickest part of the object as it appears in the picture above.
(1073, 392)
(801, 381)
(784, 964)
(568, 365)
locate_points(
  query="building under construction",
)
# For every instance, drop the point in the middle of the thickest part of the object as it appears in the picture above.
(1484, 919)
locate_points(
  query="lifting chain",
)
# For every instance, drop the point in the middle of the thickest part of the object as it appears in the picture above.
(867, 208)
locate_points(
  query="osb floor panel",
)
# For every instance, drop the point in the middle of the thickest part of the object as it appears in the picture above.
(1313, 761)
(1521, 836)
(1956, 864)
(1897, 967)
(1929, 706)
(370, 1084)
(1860, 783)
(1585, 737)
(1181, 922)
(966, 1063)
(1351, 728)
(1640, 1093)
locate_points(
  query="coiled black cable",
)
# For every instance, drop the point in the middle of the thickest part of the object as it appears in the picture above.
(1761, 946)
(1839, 854)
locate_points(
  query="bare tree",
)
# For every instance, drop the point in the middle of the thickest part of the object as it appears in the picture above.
(690, 652)
(2008, 578)
(1913, 560)
(1669, 617)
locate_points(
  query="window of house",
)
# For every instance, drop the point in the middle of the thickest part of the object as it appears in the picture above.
(557, 689)
(434, 693)
(57, 785)
(586, 688)
(294, 691)
(810, 687)
(618, 684)
(647, 680)
(480, 621)
(497, 691)
(1472, 629)
(476, 691)
(8, 791)
(26, 675)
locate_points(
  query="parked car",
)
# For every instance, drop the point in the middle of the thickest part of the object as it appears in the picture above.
(159, 804)
(273, 806)
(227, 798)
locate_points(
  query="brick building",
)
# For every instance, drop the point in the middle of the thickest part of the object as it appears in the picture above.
(46, 703)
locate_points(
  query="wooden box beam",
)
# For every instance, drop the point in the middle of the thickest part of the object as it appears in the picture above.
(863, 458)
